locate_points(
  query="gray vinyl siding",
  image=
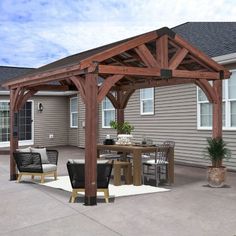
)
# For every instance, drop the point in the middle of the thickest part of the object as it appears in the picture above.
(175, 119)
(81, 120)
(72, 132)
(53, 120)
(73, 136)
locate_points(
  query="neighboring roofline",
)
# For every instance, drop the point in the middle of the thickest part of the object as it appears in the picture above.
(225, 59)
(45, 93)
(18, 67)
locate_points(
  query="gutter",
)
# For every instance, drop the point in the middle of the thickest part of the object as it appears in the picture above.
(47, 93)
(225, 59)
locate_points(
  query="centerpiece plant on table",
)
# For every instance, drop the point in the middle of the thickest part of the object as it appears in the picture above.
(124, 131)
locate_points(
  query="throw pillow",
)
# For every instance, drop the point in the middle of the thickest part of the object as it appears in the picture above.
(43, 153)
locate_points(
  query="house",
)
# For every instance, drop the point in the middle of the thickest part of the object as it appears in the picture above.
(180, 113)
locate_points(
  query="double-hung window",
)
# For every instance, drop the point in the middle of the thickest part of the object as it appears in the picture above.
(74, 112)
(147, 101)
(204, 108)
(108, 113)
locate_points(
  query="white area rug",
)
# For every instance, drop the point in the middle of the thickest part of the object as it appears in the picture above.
(63, 182)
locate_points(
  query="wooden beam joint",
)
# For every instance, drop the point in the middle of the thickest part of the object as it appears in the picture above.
(166, 74)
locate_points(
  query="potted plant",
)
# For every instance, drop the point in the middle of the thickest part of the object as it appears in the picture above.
(122, 127)
(124, 131)
(216, 151)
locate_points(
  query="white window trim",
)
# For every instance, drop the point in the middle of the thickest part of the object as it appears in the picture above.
(103, 117)
(227, 109)
(141, 104)
(24, 142)
(73, 126)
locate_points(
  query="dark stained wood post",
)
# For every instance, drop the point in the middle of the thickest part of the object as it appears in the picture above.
(120, 115)
(91, 115)
(217, 110)
(13, 134)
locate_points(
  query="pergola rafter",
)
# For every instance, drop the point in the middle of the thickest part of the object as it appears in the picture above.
(155, 59)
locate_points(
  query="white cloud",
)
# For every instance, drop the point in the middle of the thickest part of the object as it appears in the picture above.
(37, 32)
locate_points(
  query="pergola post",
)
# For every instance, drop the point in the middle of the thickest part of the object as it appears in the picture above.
(120, 115)
(91, 116)
(217, 110)
(13, 134)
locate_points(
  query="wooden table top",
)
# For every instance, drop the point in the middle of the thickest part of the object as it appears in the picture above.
(118, 147)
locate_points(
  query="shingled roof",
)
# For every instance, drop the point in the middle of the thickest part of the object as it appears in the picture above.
(8, 72)
(212, 38)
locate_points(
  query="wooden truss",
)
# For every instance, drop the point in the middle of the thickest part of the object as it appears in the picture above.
(158, 58)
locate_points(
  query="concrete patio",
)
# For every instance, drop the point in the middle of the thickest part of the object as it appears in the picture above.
(190, 208)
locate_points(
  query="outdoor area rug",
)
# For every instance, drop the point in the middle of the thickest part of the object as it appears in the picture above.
(63, 182)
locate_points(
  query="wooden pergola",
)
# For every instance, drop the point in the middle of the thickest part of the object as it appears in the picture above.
(154, 59)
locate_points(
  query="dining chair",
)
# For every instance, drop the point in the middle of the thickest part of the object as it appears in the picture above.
(170, 143)
(154, 168)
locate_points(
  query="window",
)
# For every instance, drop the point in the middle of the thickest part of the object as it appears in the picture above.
(108, 113)
(25, 127)
(204, 109)
(4, 121)
(74, 112)
(147, 101)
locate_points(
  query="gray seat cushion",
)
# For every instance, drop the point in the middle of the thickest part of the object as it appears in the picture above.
(28, 149)
(49, 168)
(82, 161)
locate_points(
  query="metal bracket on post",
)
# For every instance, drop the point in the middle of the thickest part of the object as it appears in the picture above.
(166, 74)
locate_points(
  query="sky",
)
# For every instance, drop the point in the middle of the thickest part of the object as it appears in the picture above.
(36, 32)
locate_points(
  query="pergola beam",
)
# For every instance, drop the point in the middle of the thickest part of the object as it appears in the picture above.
(156, 72)
(157, 83)
(107, 85)
(201, 56)
(162, 51)
(45, 77)
(49, 87)
(146, 56)
(177, 58)
(118, 49)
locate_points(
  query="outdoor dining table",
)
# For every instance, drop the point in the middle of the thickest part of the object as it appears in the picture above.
(137, 151)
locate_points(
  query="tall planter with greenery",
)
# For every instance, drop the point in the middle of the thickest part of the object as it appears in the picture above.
(217, 151)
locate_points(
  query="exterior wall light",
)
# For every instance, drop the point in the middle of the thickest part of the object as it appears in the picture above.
(40, 107)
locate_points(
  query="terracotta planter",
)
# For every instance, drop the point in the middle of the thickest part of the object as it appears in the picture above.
(216, 176)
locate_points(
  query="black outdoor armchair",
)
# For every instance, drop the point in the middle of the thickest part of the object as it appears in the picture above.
(77, 177)
(32, 163)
